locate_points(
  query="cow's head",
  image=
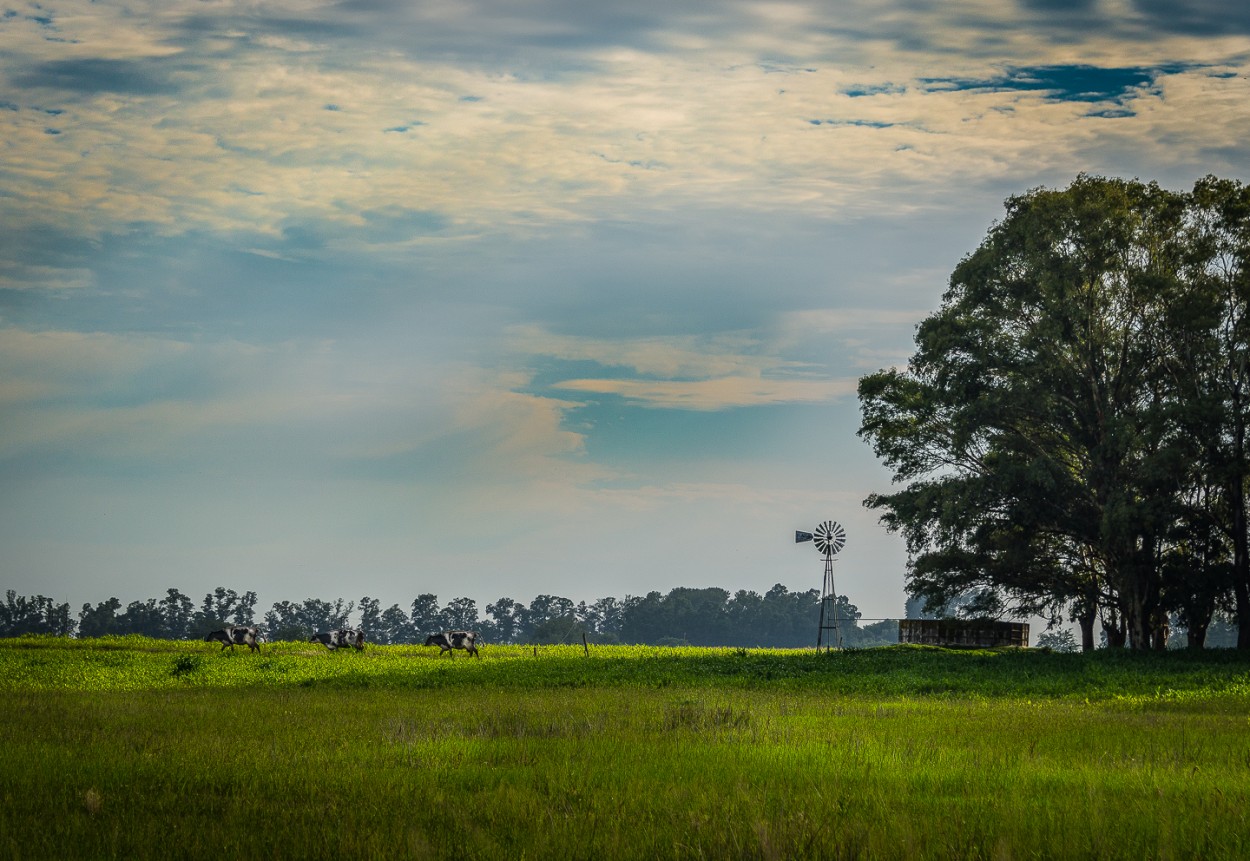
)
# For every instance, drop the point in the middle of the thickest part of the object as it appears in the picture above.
(433, 640)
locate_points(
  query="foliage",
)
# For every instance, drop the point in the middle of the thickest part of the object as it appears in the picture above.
(291, 621)
(1059, 641)
(710, 617)
(37, 615)
(223, 607)
(1070, 431)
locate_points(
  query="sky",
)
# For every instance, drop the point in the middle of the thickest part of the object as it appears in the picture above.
(501, 298)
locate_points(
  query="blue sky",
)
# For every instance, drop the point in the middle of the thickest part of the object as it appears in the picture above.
(497, 299)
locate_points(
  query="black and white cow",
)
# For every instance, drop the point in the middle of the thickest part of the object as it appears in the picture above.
(332, 640)
(236, 635)
(448, 640)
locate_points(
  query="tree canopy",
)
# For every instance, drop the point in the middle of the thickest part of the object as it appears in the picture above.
(1069, 434)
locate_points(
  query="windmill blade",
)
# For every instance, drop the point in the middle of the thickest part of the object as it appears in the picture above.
(800, 537)
(830, 537)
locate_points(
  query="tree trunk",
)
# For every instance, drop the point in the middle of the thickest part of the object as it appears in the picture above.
(1241, 563)
(1159, 631)
(1237, 501)
(1137, 613)
(1086, 621)
(1196, 635)
(1143, 614)
(1113, 627)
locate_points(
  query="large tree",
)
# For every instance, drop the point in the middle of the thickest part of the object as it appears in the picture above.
(1210, 325)
(1034, 428)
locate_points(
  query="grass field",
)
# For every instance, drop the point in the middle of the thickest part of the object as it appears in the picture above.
(134, 748)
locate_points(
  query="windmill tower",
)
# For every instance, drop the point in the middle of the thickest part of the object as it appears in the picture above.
(829, 538)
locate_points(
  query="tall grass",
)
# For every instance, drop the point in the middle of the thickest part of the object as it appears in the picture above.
(895, 753)
(138, 663)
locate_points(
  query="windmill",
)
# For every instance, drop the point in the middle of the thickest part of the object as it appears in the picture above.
(829, 538)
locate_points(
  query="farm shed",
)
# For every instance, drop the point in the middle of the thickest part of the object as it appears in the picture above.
(980, 633)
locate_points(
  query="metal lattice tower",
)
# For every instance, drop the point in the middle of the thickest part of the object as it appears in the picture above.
(829, 538)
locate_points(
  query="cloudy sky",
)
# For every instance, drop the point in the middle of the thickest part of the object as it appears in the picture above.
(499, 298)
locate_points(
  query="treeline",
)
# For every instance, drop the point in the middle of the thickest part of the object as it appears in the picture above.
(699, 617)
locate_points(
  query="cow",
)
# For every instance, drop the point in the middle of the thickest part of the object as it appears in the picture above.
(236, 635)
(448, 640)
(332, 640)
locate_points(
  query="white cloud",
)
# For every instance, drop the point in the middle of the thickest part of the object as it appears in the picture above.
(243, 139)
(716, 394)
(672, 356)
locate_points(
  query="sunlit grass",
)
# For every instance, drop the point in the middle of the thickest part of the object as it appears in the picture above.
(138, 663)
(146, 749)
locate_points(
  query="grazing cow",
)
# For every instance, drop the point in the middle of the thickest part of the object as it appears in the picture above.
(448, 640)
(236, 635)
(332, 640)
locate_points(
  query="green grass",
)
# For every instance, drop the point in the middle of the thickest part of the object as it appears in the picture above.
(141, 749)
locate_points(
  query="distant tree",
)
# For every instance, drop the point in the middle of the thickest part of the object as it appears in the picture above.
(847, 616)
(245, 609)
(883, 633)
(1058, 640)
(100, 620)
(290, 621)
(700, 614)
(38, 615)
(142, 617)
(385, 627)
(558, 629)
(223, 607)
(746, 613)
(426, 617)
(178, 613)
(644, 619)
(504, 621)
(603, 618)
(460, 614)
(395, 626)
(789, 619)
(285, 622)
(543, 609)
(327, 615)
(371, 618)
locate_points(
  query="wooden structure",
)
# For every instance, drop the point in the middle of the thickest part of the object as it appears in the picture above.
(973, 633)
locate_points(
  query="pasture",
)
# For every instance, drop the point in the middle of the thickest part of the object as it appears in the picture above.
(134, 748)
